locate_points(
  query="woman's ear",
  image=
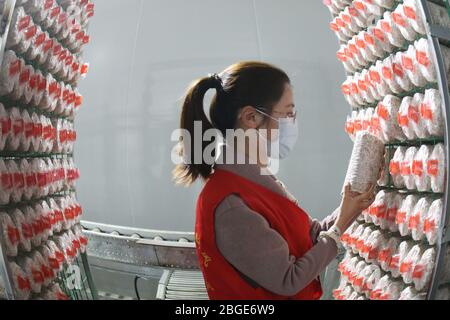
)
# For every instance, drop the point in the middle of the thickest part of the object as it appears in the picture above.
(249, 118)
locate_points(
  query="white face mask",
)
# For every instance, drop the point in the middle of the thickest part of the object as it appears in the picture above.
(286, 139)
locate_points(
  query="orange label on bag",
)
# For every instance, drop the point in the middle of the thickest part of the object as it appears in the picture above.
(379, 34)
(382, 112)
(339, 22)
(418, 272)
(369, 39)
(19, 181)
(380, 211)
(400, 218)
(347, 19)
(39, 40)
(23, 283)
(334, 27)
(349, 128)
(42, 85)
(407, 63)
(426, 112)
(375, 76)
(394, 168)
(359, 5)
(387, 73)
(55, 12)
(6, 181)
(38, 277)
(84, 69)
(429, 225)
(18, 126)
(48, 44)
(409, 12)
(353, 49)
(353, 12)
(398, 19)
(62, 18)
(394, 262)
(27, 231)
(345, 89)
(86, 39)
(413, 113)
(417, 168)
(48, 4)
(391, 214)
(24, 76)
(6, 125)
(30, 32)
(385, 26)
(384, 255)
(406, 168)
(373, 254)
(433, 167)
(362, 85)
(14, 67)
(402, 120)
(398, 70)
(422, 58)
(57, 50)
(360, 43)
(414, 221)
(354, 88)
(405, 267)
(23, 23)
(54, 264)
(13, 235)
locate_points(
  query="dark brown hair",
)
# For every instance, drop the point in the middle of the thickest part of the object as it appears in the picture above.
(242, 84)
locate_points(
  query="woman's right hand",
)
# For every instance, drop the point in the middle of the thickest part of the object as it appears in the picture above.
(353, 204)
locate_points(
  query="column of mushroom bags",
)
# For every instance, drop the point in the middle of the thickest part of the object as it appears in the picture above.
(39, 212)
(392, 88)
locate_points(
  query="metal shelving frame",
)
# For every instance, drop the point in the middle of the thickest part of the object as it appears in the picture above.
(437, 36)
(87, 290)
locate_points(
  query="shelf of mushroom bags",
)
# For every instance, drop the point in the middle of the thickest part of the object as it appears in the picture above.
(397, 61)
(40, 234)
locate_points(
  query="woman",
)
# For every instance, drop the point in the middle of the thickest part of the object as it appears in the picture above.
(253, 240)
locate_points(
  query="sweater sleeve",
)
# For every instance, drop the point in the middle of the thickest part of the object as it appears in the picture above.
(261, 254)
(318, 226)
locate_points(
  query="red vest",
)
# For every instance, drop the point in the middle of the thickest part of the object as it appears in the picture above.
(223, 281)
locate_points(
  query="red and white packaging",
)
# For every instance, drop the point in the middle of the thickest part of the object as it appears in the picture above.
(364, 51)
(401, 76)
(78, 230)
(387, 251)
(431, 113)
(382, 38)
(54, 293)
(436, 168)
(57, 253)
(47, 273)
(367, 121)
(392, 209)
(355, 237)
(10, 73)
(5, 127)
(419, 165)
(391, 30)
(374, 246)
(29, 179)
(370, 274)
(357, 280)
(51, 263)
(27, 134)
(409, 263)
(347, 92)
(415, 119)
(398, 258)
(39, 167)
(47, 100)
(44, 223)
(406, 168)
(63, 205)
(387, 112)
(396, 166)
(424, 60)
(6, 183)
(32, 219)
(39, 9)
(377, 80)
(337, 26)
(52, 17)
(423, 270)
(406, 109)
(432, 221)
(411, 66)
(21, 282)
(346, 238)
(24, 228)
(402, 22)
(411, 11)
(21, 31)
(36, 138)
(33, 272)
(404, 213)
(377, 210)
(18, 181)
(10, 235)
(380, 287)
(388, 75)
(372, 44)
(392, 290)
(17, 125)
(27, 94)
(361, 241)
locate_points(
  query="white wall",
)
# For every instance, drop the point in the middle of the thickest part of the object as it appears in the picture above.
(132, 100)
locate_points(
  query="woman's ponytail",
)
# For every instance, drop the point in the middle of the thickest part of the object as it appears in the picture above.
(193, 165)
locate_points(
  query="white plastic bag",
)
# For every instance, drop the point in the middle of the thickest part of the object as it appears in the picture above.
(436, 168)
(423, 270)
(387, 111)
(406, 168)
(24, 228)
(415, 119)
(403, 118)
(408, 264)
(392, 209)
(432, 221)
(387, 252)
(10, 234)
(403, 214)
(399, 257)
(396, 166)
(431, 113)
(391, 30)
(422, 180)
(411, 66)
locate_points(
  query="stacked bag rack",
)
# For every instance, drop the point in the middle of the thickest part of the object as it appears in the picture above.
(42, 247)
(397, 58)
